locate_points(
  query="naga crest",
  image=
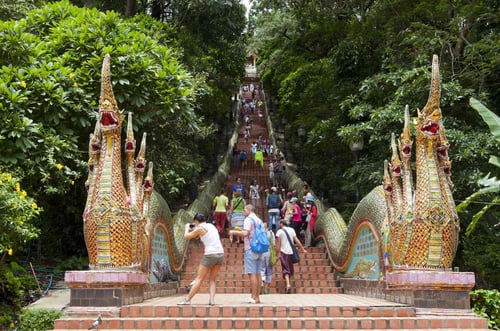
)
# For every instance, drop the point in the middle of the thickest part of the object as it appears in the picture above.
(423, 222)
(116, 224)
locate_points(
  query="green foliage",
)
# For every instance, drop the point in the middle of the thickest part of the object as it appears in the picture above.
(71, 263)
(493, 122)
(16, 288)
(17, 213)
(16, 9)
(49, 92)
(486, 303)
(38, 319)
(490, 186)
(347, 70)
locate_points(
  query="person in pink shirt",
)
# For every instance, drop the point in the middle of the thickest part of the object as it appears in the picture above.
(296, 222)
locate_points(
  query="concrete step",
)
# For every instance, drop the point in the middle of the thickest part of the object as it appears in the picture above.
(277, 311)
(243, 281)
(274, 290)
(443, 329)
(267, 323)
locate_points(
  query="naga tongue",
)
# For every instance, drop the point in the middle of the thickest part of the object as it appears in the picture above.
(107, 119)
(434, 128)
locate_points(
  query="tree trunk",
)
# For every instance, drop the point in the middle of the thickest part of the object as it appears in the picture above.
(462, 39)
(131, 8)
(156, 9)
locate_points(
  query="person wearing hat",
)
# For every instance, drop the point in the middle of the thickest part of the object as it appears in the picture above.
(212, 258)
(273, 203)
(312, 213)
(296, 222)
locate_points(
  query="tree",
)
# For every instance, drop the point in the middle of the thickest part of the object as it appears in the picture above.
(49, 90)
(346, 69)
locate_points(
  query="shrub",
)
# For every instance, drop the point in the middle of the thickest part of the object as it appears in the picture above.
(38, 319)
(72, 263)
(486, 303)
(16, 288)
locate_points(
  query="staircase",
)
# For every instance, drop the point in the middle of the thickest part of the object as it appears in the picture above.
(316, 301)
(313, 274)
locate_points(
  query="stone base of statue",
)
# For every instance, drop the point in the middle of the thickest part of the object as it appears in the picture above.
(105, 288)
(430, 289)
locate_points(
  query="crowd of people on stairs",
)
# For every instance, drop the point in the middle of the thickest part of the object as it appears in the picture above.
(290, 219)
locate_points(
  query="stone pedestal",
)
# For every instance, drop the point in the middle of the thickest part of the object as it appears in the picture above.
(430, 289)
(105, 288)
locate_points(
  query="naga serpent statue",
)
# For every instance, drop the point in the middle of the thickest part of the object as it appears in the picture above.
(126, 227)
(401, 225)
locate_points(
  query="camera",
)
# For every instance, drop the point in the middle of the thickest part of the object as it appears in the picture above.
(191, 225)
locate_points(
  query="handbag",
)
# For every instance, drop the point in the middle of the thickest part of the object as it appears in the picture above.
(272, 253)
(295, 255)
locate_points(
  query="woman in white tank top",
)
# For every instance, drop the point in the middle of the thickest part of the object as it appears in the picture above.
(212, 259)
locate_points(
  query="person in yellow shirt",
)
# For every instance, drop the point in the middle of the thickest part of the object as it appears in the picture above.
(259, 157)
(220, 204)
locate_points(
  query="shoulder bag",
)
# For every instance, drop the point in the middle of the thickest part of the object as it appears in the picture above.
(295, 255)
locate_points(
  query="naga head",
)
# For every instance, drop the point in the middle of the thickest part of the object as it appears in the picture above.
(405, 143)
(149, 182)
(386, 182)
(130, 141)
(395, 161)
(110, 118)
(443, 144)
(140, 162)
(430, 118)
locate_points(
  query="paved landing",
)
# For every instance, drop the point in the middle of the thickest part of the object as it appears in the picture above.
(235, 300)
(59, 299)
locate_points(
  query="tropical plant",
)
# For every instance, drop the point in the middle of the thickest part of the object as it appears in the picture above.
(38, 319)
(491, 186)
(486, 303)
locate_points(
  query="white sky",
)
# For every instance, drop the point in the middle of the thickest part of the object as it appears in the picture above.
(247, 4)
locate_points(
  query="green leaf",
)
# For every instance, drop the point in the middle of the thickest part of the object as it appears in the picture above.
(494, 160)
(488, 116)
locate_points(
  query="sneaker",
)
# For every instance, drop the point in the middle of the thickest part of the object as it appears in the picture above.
(250, 300)
(288, 290)
(185, 302)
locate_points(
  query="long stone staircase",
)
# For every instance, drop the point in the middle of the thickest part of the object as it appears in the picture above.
(316, 302)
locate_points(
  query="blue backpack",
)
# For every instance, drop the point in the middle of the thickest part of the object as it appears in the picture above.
(260, 241)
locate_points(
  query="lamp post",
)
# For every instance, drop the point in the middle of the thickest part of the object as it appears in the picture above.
(301, 132)
(356, 148)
